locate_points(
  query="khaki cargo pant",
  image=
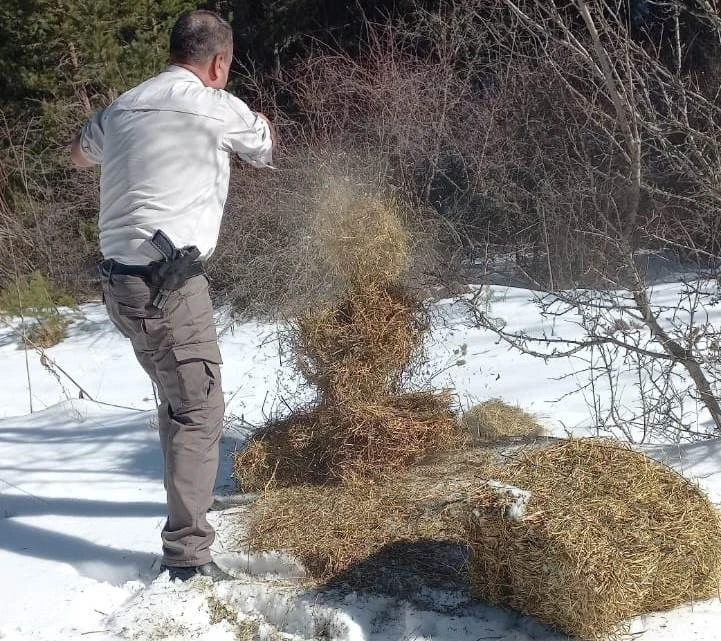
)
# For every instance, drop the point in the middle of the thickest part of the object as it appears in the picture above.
(178, 348)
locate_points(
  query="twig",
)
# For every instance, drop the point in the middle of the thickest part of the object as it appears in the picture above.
(22, 321)
(122, 407)
(45, 360)
(19, 489)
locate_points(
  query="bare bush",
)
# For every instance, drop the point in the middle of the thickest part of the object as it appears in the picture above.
(466, 122)
(635, 172)
(47, 210)
(496, 124)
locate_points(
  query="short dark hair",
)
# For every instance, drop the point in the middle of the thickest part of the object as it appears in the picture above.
(199, 35)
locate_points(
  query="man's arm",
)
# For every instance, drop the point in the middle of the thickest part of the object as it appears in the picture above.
(248, 134)
(76, 154)
(86, 148)
(271, 128)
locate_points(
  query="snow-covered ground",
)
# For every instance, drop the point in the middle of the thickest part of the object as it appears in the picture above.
(82, 501)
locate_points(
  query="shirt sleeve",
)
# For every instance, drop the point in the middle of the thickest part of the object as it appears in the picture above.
(246, 134)
(92, 137)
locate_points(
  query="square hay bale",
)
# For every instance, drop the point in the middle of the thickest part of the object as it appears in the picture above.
(607, 534)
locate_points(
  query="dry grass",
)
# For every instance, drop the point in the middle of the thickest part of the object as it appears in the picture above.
(361, 236)
(244, 629)
(47, 332)
(355, 520)
(332, 443)
(357, 353)
(495, 419)
(608, 535)
(362, 347)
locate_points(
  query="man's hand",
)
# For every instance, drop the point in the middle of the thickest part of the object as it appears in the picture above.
(76, 154)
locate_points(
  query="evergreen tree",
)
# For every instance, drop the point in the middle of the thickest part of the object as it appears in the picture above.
(70, 49)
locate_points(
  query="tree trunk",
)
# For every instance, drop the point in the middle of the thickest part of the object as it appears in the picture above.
(682, 356)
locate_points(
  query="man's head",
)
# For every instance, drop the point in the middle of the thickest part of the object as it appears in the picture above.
(203, 42)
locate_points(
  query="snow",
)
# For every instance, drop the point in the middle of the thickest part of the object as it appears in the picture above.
(82, 499)
(516, 497)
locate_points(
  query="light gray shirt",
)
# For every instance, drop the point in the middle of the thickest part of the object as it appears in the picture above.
(164, 152)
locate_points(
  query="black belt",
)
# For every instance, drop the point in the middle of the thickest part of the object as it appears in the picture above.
(111, 266)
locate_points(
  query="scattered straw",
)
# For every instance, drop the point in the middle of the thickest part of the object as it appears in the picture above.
(353, 521)
(362, 347)
(357, 354)
(608, 535)
(361, 236)
(495, 419)
(333, 443)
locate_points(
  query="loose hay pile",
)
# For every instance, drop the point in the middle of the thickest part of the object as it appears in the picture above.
(361, 348)
(608, 534)
(353, 521)
(349, 441)
(493, 420)
(356, 354)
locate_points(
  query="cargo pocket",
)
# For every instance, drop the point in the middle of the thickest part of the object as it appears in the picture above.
(146, 326)
(138, 309)
(130, 308)
(193, 318)
(191, 376)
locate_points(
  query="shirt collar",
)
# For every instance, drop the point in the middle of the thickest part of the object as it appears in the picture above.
(182, 72)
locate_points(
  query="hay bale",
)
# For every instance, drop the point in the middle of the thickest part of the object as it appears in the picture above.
(361, 236)
(333, 443)
(494, 419)
(607, 535)
(363, 347)
(355, 520)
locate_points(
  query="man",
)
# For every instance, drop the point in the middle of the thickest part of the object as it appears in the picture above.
(164, 150)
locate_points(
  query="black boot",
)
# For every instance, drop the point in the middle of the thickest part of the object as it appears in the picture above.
(211, 570)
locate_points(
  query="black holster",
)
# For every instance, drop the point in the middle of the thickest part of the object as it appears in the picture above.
(177, 266)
